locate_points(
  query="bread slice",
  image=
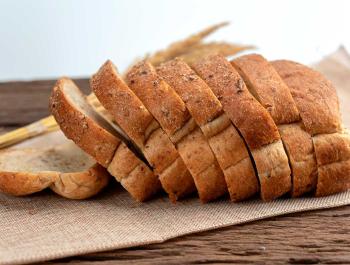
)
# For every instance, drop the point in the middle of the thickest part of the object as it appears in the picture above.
(80, 123)
(133, 117)
(314, 96)
(223, 138)
(65, 169)
(318, 105)
(269, 89)
(171, 113)
(300, 150)
(253, 121)
(333, 160)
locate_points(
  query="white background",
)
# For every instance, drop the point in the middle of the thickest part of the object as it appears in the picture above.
(47, 38)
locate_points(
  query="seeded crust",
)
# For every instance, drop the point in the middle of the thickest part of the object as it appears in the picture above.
(171, 112)
(318, 104)
(223, 138)
(314, 95)
(80, 184)
(137, 178)
(81, 124)
(269, 89)
(252, 120)
(139, 124)
(83, 130)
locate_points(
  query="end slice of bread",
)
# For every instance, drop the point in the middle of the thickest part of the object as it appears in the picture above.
(317, 102)
(65, 169)
(80, 123)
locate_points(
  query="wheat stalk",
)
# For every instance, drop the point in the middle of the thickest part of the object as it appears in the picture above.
(45, 125)
(180, 47)
(190, 49)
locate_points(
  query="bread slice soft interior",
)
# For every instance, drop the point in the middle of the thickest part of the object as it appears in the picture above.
(65, 169)
(80, 123)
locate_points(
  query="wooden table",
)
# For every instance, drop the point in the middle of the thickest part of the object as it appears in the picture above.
(319, 237)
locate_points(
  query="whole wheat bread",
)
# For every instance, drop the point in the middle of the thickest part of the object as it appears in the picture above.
(318, 105)
(223, 138)
(65, 169)
(268, 88)
(253, 121)
(171, 113)
(333, 160)
(138, 123)
(80, 123)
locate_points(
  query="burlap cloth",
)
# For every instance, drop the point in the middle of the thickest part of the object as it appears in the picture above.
(45, 226)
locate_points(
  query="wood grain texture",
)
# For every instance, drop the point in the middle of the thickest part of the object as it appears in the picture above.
(24, 102)
(319, 237)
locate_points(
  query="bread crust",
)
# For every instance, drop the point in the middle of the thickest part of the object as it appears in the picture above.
(72, 185)
(197, 96)
(268, 88)
(171, 112)
(25, 183)
(252, 120)
(98, 142)
(223, 138)
(120, 101)
(300, 150)
(133, 175)
(85, 132)
(77, 185)
(81, 185)
(333, 160)
(139, 124)
(314, 95)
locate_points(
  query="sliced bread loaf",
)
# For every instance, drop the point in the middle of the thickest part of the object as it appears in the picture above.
(268, 88)
(171, 113)
(253, 121)
(65, 169)
(138, 123)
(223, 138)
(317, 102)
(80, 123)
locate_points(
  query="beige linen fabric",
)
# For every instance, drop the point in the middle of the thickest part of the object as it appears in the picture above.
(45, 226)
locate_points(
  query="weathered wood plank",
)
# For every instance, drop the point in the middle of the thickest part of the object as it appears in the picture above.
(24, 102)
